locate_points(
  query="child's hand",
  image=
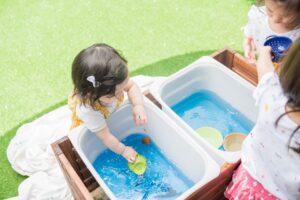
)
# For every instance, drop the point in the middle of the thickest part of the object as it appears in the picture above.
(249, 50)
(265, 53)
(129, 154)
(139, 115)
(264, 62)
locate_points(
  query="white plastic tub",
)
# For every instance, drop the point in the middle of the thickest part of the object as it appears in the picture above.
(180, 149)
(206, 73)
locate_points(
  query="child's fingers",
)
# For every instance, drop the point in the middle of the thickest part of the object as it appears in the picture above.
(253, 47)
(131, 159)
(247, 52)
(137, 119)
(144, 119)
(130, 154)
(140, 118)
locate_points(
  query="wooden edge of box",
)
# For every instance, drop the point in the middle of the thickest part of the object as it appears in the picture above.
(148, 94)
(237, 63)
(78, 189)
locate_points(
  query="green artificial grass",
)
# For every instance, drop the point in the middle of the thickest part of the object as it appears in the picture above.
(39, 40)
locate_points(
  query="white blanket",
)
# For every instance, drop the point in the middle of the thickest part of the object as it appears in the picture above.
(30, 153)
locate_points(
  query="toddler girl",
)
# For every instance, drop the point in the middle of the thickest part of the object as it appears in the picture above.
(270, 167)
(100, 78)
(277, 17)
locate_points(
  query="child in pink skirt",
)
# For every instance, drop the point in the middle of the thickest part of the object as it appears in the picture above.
(270, 167)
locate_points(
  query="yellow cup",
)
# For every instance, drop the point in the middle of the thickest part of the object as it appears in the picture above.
(211, 135)
(233, 142)
(139, 166)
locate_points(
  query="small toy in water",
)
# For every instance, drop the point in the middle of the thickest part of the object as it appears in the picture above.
(211, 135)
(146, 140)
(279, 45)
(139, 166)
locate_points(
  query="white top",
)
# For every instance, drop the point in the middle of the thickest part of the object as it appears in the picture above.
(259, 29)
(265, 154)
(93, 119)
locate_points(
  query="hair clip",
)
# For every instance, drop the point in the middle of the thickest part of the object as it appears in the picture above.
(93, 81)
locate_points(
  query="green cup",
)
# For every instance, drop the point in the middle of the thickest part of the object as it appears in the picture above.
(139, 166)
(211, 135)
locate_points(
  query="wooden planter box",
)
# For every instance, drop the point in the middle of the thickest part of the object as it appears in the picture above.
(84, 186)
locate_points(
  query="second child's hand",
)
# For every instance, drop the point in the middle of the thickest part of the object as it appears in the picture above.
(251, 51)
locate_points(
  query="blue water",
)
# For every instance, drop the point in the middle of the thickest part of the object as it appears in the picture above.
(205, 108)
(162, 180)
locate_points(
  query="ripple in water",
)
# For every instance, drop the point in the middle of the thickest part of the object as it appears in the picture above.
(205, 108)
(162, 179)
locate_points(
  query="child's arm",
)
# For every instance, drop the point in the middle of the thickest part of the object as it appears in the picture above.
(113, 144)
(264, 62)
(136, 98)
(249, 49)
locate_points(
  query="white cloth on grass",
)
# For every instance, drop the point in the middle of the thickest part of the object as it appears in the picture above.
(30, 154)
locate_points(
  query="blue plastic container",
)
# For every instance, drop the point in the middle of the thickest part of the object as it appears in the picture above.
(279, 45)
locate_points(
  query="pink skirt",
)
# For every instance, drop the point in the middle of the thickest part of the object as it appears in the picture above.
(243, 186)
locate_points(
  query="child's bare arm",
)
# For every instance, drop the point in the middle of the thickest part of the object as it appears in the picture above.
(134, 93)
(249, 49)
(264, 62)
(115, 145)
(136, 98)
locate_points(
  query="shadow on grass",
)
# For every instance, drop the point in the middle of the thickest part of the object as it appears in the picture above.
(11, 180)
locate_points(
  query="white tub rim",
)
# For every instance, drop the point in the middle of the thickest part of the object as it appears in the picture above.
(212, 170)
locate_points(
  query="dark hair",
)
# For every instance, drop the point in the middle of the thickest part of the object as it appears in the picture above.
(292, 7)
(290, 81)
(104, 63)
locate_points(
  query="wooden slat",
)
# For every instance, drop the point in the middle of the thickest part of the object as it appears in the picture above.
(224, 56)
(89, 180)
(66, 148)
(152, 98)
(78, 189)
(78, 159)
(85, 173)
(237, 63)
(80, 163)
(244, 69)
(55, 146)
(93, 186)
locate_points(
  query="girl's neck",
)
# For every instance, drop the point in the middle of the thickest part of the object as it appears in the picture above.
(278, 27)
(294, 116)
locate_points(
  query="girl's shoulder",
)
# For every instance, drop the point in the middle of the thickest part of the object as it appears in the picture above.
(257, 12)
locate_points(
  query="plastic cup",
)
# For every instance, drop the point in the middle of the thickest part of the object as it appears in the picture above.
(139, 166)
(233, 141)
(279, 45)
(211, 135)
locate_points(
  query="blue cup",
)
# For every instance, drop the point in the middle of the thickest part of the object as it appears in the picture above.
(279, 45)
